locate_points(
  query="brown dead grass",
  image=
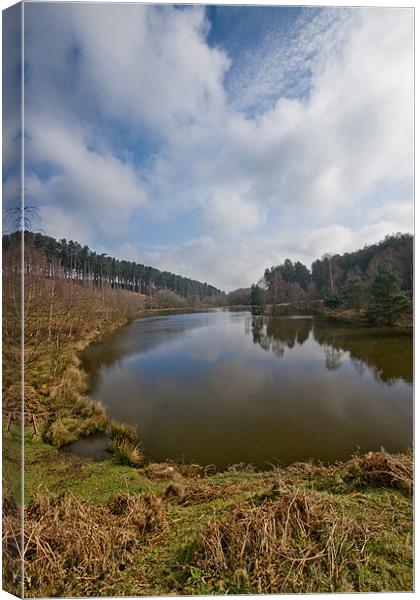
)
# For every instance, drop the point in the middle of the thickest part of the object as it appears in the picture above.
(199, 492)
(161, 471)
(11, 543)
(304, 528)
(175, 492)
(295, 543)
(173, 471)
(72, 546)
(381, 469)
(196, 492)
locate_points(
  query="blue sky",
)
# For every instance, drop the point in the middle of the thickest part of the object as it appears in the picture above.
(217, 141)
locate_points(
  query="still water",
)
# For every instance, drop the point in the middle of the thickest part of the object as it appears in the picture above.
(226, 387)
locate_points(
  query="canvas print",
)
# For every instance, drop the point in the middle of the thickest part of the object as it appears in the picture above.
(207, 299)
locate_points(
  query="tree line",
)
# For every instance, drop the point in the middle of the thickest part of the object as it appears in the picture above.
(377, 279)
(80, 263)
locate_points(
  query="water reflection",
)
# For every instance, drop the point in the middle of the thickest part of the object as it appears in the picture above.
(139, 337)
(387, 353)
(278, 333)
(222, 388)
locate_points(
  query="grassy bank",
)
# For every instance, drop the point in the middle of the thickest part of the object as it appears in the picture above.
(340, 313)
(62, 316)
(405, 319)
(107, 529)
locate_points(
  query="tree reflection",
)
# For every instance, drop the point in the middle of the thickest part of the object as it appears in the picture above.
(259, 332)
(386, 352)
(276, 334)
(333, 354)
(333, 358)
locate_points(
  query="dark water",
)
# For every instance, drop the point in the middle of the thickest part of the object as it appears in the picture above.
(226, 387)
(95, 447)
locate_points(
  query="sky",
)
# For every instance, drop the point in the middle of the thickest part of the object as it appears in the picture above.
(217, 141)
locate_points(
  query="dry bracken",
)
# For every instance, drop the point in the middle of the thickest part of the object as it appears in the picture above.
(381, 469)
(72, 546)
(294, 543)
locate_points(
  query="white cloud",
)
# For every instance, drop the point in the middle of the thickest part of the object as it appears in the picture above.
(284, 181)
(151, 65)
(92, 184)
(135, 64)
(314, 156)
(229, 213)
(240, 262)
(60, 223)
(11, 90)
(400, 214)
(283, 65)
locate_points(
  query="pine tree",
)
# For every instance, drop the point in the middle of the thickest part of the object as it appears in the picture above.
(257, 300)
(352, 294)
(387, 298)
(332, 300)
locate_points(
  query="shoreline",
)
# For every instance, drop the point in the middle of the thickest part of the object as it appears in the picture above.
(327, 314)
(171, 516)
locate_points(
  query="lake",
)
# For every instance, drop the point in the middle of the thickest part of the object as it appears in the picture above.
(225, 387)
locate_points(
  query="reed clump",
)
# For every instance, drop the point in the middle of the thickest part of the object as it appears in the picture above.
(124, 444)
(62, 431)
(126, 452)
(71, 412)
(70, 386)
(73, 547)
(82, 418)
(123, 431)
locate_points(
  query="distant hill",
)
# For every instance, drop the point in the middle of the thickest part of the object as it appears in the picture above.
(81, 263)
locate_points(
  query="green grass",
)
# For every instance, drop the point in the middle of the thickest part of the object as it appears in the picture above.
(56, 471)
(175, 563)
(170, 567)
